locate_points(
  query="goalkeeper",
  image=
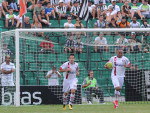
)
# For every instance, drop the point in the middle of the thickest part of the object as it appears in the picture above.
(91, 87)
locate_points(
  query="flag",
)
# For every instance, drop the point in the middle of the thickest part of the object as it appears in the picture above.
(84, 10)
(23, 7)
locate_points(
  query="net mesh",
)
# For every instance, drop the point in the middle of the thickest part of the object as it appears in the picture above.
(7, 48)
(40, 51)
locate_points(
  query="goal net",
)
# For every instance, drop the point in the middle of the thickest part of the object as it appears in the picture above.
(35, 52)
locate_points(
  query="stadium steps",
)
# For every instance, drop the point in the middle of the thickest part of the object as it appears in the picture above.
(51, 58)
(95, 57)
(58, 48)
(81, 66)
(61, 24)
(2, 23)
(146, 56)
(29, 14)
(62, 40)
(101, 65)
(106, 56)
(83, 57)
(94, 65)
(29, 58)
(45, 66)
(34, 66)
(62, 57)
(54, 24)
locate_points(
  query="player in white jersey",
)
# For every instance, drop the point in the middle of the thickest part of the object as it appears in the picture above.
(120, 63)
(7, 69)
(70, 71)
(53, 76)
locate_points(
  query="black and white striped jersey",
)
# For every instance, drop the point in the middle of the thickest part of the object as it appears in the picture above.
(61, 10)
(75, 10)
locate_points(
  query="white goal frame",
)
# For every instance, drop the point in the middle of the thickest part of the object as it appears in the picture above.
(17, 31)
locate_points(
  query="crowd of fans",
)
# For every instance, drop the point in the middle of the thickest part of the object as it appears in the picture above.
(111, 16)
(128, 15)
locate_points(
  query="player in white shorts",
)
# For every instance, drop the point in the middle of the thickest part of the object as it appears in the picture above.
(120, 63)
(70, 71)
(7, 69)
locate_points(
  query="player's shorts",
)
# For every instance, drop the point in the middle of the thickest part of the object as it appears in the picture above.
(117, 81)
(69, 84)
(7, 81)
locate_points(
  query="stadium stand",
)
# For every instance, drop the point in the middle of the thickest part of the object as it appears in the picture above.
(28, 61)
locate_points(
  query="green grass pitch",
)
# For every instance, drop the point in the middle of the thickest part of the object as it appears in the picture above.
(106, 108)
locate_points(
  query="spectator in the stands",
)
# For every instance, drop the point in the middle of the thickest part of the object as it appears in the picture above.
(13, 5)
(115, 7)
(68, 3)
(50, 12)
(145, 24)
(70, 44)
(92, 10)
(110, 14)
(36, 24)
(126, 9)
(4, 52)
(126, 0)
(2, 12)
(147, 49)
(124, 23)
(44, 19)
(100, 43)
(69, 23)
(145, 9)
(118, 17)
(134, 37)
(27, 23)
(101, 9)
(45, 3)
(122, 43)
(135, 44)
(19, 22)
(37, 9)
(72, 1)
(61, 10)
(112, 23)
(30, 5)
(135, 11)
(54, 3)
(96, 2)
(75, 9)
(79, 25)
(10, 19)
(47, 46)
(145, 34)
(100, 23)
(5, 5)
(134, 23)
(78, 46)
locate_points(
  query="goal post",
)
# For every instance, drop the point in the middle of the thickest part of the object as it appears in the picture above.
(17, 102)
(33, 60)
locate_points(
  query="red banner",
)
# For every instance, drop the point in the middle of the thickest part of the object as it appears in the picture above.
(23, 8)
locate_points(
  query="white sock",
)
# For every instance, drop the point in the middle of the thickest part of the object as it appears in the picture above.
(65, 99)
(117, 94)
(72, 96)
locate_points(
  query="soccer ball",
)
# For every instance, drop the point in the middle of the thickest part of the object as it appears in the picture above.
(109, 65)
